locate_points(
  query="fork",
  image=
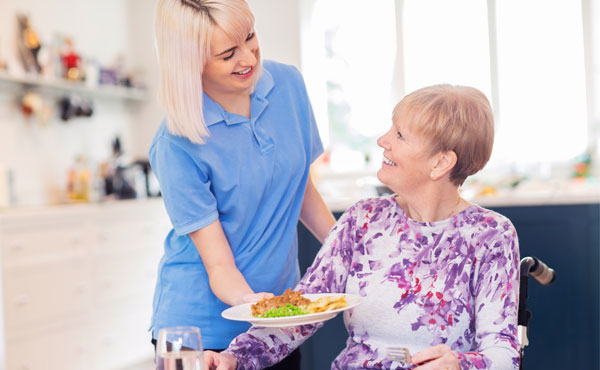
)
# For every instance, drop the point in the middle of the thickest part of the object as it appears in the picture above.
(399, 354)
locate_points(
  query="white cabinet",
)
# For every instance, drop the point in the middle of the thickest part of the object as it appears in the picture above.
(77, 284)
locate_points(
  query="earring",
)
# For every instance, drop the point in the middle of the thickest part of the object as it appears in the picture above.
(431, 175)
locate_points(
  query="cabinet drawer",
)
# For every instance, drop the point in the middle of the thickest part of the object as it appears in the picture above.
(116, 279)
(122, 235)
(64, 347)
(33, 245)
(35, 295)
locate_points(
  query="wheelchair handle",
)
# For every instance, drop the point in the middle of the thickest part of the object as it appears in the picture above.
(538, 270)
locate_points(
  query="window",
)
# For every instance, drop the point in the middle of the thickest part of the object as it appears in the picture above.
(541, 81)
(359, 52)
(527, 57)
(439, 48)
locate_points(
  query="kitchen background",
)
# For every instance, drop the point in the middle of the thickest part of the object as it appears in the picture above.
(86, 142)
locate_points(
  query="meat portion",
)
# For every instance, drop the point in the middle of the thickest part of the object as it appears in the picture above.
(289, 296)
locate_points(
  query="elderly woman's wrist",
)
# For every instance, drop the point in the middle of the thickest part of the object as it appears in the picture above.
(230, 352)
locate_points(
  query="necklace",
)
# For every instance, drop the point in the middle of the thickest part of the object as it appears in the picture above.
(454, 209)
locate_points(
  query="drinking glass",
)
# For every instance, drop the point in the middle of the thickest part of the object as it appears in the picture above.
(179, 348)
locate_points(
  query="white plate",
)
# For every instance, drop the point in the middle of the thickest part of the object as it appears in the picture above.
(243, 312)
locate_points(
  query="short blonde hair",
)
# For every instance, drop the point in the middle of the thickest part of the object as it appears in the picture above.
(183, 33)
(452, 118)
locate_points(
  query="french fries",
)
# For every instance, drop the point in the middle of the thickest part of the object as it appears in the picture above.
(326, 304)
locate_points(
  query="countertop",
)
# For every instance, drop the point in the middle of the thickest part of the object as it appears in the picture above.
(340, 193)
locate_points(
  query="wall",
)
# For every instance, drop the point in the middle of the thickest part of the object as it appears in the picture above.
(39, 157)
(278, 29)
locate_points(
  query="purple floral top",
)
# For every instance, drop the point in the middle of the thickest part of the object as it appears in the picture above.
(453, 282)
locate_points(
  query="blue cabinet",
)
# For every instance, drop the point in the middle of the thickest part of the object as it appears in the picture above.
(564, 329)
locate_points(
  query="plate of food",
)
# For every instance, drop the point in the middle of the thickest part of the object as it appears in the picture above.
(293, 308)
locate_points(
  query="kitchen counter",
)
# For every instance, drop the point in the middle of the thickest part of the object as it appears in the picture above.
(342, 192)
(25, 211)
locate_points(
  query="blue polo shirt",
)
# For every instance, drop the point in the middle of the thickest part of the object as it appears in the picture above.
(251, 174)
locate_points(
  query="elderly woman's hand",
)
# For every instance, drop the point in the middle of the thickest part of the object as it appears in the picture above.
(439, 357)
(219, 361)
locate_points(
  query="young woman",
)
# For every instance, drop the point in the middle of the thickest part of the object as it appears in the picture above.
(232, 158)
(439, 275)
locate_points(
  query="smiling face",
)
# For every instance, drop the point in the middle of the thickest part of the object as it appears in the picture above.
(232, 67)
(407, 160)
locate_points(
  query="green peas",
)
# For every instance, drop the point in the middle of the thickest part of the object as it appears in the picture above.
(287, 310)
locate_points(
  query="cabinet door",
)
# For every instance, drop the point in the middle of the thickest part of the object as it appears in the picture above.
(40, 293)
(128, 246)
(121, 336)
(564, 331)
(118, 277)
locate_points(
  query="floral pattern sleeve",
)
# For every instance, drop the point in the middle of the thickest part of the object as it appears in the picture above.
(263, 347)
(496, 298)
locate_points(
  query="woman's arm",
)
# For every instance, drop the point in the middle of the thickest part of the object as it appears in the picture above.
(496, 292)
(496, 302)
(496, 306)
(496, 288)
(262, 347)
(226, 281)
(314, 213)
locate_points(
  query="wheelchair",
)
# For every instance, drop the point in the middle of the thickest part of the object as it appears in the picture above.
(529, 266)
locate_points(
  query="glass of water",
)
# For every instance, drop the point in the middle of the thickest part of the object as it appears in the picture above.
(179, 348)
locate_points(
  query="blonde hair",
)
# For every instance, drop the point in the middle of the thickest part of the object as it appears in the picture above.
(183, 33)
(452, 118)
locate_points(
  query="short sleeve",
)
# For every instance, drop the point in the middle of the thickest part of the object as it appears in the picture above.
(316, 146)
(185, 187)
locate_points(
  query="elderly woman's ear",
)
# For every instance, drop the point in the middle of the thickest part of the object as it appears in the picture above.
(442, 164)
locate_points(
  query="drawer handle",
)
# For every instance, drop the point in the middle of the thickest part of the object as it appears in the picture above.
(18, 246)
(22, 300)
(107, 284)
(104, 236)
(81, 288)
(82, 348)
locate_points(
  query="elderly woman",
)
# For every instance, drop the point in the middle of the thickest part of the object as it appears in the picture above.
(439, 275)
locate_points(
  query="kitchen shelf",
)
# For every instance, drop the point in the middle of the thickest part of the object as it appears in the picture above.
(65, 86)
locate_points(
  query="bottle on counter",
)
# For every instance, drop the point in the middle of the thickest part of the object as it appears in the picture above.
(5, 186)
(79, 181)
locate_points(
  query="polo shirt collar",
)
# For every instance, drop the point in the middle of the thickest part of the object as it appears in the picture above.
(214, 113)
